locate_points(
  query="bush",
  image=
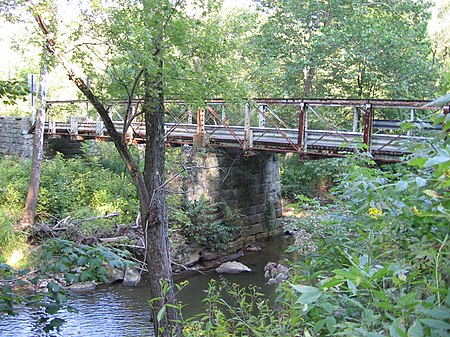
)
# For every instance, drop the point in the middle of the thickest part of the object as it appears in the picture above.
(73, 187)
(312, 179)
(209, 224)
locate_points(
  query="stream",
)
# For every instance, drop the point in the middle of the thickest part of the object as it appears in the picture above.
(123, 311)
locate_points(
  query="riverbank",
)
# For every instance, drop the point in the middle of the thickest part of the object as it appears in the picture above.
(124, 310)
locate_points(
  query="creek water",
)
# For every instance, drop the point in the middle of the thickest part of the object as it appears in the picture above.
(123, 311)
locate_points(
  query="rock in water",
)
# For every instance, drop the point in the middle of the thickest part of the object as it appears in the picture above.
(232, 267)
(114, 274)
(132, 276)
(81, 287)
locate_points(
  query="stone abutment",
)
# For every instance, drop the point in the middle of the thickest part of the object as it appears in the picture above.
(15, 138)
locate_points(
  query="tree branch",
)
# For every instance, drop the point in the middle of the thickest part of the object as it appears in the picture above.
(77, 79)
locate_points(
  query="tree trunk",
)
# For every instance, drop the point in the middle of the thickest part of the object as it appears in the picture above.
(154, 215)
(307, 88)
(29, 213)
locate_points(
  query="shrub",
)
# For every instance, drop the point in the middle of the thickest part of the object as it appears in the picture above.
(209, 224)
(312, 179)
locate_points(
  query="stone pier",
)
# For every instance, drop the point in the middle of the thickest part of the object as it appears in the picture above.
(249, 185)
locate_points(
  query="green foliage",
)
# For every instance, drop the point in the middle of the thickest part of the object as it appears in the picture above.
(209, 224)
(73, 188)
(160, 311)
(106, 156)
(68, 185)
(77, 263)
(313, 179)
(345, 49)
(374, 264)
(10, 239)
(80, 263)
(231, 310)
(47, 302)
(13, 185)
(12, 90)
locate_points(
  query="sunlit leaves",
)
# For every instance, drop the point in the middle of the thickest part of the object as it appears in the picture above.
(347, 48)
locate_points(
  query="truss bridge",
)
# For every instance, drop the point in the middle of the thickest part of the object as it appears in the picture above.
(387, 129)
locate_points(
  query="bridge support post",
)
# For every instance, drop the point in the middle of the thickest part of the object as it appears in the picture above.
(262, 115)
(356, 118)
(99, 127)
(73, 126)
(199, 139)
(302, 121)
(368, 126)
(248, 134)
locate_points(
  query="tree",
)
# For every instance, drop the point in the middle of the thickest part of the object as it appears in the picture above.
(345, 48)
(151, 50)
(29, 213)
(440, 33)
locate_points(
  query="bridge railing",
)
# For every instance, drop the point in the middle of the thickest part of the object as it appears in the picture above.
(319, 127)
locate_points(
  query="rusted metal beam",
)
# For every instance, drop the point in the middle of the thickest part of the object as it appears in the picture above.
(376, 103)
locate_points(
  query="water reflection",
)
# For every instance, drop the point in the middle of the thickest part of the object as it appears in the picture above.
(123, 311)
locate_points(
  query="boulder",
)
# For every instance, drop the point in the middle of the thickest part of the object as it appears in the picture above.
(114, 274)
(182, 253)
(132, 277)
(232, 267)
(81, 287)
(253, 247)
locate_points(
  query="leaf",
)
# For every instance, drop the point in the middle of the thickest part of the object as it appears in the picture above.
(303, 289)
(309, 297)
(71, 278)
(434, 323)
(401, 185)
(319, 325)
(328, 307)
(352, 287)
(381, 295)
(439, 159)
(432, 194)
(55, 323)
(332, 283)
(330, 322)
(437, 313)
(407, 300)
(420, 181)
(415, 330)
(161, 314)
(86, 276)
(417, 162)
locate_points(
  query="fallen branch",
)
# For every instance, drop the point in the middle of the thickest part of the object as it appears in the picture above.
(107, 216)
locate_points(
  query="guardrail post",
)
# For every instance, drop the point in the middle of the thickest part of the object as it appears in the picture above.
(262, 116)
(356, 117)
(189, 111)
(302, 121)
(248, 136)
(368, 126)
(99, 127)
(73, 125)
(223, 114)
(199, 138)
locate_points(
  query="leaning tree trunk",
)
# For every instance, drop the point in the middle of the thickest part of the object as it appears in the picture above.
(29, 213)
(154, 215)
